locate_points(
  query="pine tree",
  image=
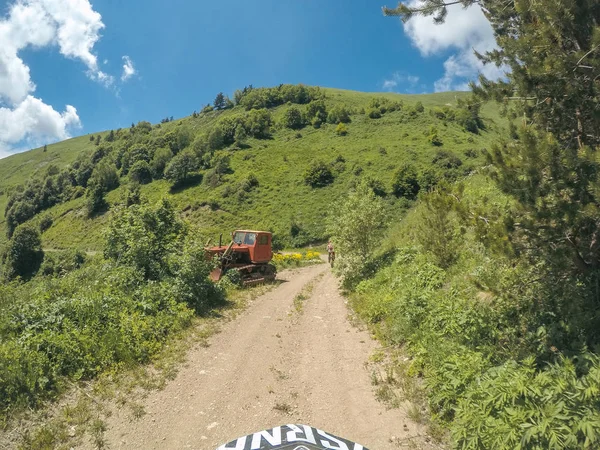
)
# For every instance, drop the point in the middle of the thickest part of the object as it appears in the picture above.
(219, 102)
(98, 137)
(45, 148)
(552, 51)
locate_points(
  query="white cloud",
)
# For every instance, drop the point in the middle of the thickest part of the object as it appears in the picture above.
(34, 121)
(405, 81)
(128, 69)
(465, 30)
(72, 26)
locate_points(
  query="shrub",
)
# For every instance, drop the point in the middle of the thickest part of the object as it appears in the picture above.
(405, 182)
(191, 284)
(24, 252)
(355, 227)
(141, 172)
(373, 113)
(292, 118)
(316, 113)
(338, 114)
(446, 160)
(181, 167)
(45, 223)
(162, 157)
(318, 174)
(341, 129)
(143, 237)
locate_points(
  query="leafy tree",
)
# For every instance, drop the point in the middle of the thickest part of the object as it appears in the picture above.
(141, 172)
(105, 175)
(555, 90)
(103, 180)
(292, 118)
(258, 123)
(318, 174)
(316, 113)
(95, 199)
(159, 162)
(24, 252)
(45, 223)
(206, 109)
(191, 284)
(143, 237)
(338, 114)
(240, 136)
(180, 168)
(355, 228)
(91, 138)
(184, 139)
(216, 140)
(405, 182)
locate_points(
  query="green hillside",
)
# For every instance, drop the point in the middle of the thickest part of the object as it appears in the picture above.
(279, 199)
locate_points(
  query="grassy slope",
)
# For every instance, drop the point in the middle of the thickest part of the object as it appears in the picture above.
(278, 163)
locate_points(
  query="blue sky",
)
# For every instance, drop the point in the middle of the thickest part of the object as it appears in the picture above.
(180, 54)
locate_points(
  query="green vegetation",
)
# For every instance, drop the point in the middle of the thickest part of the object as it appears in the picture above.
(75, 320)
(103, 256)
(489, 284)
(219, 148)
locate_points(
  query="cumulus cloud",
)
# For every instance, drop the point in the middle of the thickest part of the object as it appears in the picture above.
(34, 121)
(406, 82)
(128, 69)
(465, 30)
(72, 26)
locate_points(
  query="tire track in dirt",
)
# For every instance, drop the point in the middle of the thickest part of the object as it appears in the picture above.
(272, 365)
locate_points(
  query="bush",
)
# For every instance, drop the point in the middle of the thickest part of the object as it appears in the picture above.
(292, 118)
(316, 113)
(373, 113)
(405, 182)
(95, 199)
(191, 284)
(181, 167)
(446, 160)
(24, 252)
(355, 228)
(338, 114)
(341, 129)
(162, 157)
(143, 237)
(141, 172)
(62, 263)
(45, 223)
(318, 174)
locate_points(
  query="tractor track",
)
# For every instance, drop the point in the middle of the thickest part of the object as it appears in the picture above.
(274, 364)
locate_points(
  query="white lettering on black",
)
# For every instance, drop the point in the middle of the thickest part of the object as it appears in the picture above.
(274, 439)
(240, 443)
(340, 446)
(292, 435)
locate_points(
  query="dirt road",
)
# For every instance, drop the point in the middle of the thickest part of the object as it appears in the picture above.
(270, 366)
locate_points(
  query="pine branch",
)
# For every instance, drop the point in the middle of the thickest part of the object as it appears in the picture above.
(429, 8)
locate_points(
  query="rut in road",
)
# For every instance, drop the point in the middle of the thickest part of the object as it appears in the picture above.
(270, 366)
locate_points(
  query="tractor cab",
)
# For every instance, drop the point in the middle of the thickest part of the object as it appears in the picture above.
(256, 243)
(249, 253)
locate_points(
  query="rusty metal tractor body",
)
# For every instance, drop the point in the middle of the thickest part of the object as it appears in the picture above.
(249, 253)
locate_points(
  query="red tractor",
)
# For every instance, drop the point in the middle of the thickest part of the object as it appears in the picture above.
(249, 253)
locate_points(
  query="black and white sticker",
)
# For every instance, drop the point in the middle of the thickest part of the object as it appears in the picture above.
(291, 437)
